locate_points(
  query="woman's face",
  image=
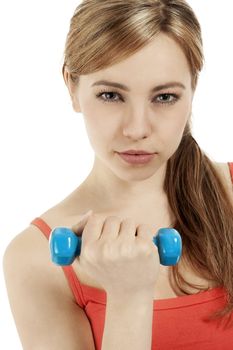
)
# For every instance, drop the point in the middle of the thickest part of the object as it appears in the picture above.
(117, 119)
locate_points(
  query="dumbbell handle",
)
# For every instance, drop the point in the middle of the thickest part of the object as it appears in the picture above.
(65, 246)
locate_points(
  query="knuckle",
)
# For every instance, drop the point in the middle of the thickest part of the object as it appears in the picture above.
(129, 221)
(143, 227)
(91, 252)
(126, 250)
(128, 225)
(108, 251)
(146, 249)
(95, 218)
(145, 245)
(112, 219)
(146, 230)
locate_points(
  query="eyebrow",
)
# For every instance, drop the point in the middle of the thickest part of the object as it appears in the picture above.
(125, 88)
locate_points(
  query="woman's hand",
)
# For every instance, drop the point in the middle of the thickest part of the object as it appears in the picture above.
(119, 255)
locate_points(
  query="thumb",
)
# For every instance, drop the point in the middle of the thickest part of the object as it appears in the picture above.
(79, 227)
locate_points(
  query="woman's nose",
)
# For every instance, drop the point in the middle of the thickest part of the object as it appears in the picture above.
(137, 124)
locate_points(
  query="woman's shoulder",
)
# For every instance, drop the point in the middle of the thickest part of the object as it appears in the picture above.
(37, 287)
(27, 258)
(226, 177)
(224, 170)
(29, 248)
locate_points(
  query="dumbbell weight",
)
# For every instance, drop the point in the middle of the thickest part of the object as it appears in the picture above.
(65, 246)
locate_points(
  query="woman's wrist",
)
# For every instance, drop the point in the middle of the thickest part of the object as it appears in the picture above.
(128, 322)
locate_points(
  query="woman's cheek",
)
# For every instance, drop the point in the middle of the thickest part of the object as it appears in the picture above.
(171, 130)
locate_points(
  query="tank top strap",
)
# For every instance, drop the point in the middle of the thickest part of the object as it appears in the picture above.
(69, 272)
(230, 164)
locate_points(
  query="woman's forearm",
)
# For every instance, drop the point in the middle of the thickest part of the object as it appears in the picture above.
(128, 324)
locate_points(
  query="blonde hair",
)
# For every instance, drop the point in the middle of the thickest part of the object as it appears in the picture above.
(103, 33)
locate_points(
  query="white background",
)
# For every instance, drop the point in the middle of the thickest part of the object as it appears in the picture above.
(43, 140)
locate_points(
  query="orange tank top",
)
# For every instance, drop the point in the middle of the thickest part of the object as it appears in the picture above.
(178, 323)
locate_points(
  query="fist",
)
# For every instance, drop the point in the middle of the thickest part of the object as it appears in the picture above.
(119, 255)
(116, 250)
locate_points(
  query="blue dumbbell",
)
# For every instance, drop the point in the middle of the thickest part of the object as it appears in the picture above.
(65, 246)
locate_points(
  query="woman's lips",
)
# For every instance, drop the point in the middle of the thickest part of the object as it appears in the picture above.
(137, 159)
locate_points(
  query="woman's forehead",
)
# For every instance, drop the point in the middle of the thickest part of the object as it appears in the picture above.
(160, 62)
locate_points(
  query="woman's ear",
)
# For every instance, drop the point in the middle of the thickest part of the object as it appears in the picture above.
(72, 88)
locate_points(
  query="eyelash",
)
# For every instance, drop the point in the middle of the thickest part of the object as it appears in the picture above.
(175, 96)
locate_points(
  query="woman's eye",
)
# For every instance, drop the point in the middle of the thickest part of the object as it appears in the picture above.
(108, 96)
(166, 98)
(162, 99)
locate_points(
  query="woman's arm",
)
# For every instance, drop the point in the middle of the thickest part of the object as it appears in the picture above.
(42, 305)
(128, 323)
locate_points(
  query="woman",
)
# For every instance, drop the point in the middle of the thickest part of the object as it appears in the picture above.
(131, 68)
